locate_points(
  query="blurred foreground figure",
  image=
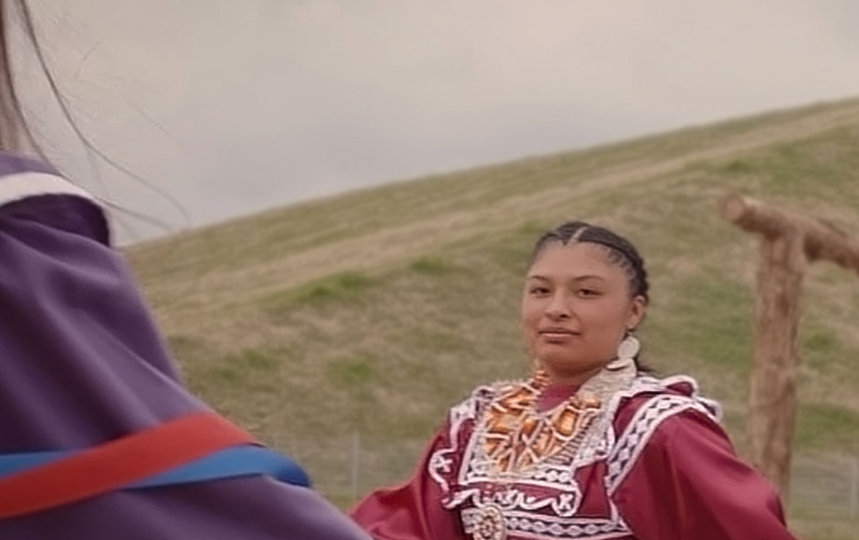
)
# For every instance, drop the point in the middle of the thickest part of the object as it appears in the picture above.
(99, 439)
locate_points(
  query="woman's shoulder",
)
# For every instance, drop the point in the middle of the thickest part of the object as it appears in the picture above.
(643, 411)
(648, 396)
(33, 192)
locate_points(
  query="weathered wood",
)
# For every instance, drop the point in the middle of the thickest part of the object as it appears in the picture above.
(789, 242)
(821, 240)
(772, 389)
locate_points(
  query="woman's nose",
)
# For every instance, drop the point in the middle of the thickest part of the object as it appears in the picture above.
(558, 307)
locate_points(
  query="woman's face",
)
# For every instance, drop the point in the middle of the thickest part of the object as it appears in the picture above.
(576, 307)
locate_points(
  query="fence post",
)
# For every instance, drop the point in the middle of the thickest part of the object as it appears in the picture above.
(854, 488)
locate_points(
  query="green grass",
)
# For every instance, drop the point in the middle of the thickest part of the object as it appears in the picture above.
(356, 321)
(341, 287)
(431, 266)
(827, 425)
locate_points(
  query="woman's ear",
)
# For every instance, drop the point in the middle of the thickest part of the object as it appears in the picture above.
(636, 312)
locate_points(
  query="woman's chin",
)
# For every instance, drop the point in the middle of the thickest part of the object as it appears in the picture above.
(566, 366)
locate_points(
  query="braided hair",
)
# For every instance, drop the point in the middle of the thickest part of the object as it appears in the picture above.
(619, 250)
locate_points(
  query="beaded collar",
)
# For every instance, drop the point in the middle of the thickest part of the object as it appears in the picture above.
(516, 436)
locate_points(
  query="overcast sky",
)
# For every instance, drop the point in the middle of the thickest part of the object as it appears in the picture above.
(233, 106)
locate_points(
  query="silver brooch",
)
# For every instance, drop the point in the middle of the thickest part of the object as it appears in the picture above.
(490, 525)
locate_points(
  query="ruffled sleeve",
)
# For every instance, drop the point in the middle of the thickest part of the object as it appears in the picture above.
(412, 510)
(689, 483)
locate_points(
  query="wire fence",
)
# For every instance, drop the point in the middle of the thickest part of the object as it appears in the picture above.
(824, 487)
(345, 468)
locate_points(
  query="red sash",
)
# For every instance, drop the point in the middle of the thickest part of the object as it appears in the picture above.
(117, 463)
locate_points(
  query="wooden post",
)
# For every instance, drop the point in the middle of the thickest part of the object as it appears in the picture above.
(789, 242)
(772, 392)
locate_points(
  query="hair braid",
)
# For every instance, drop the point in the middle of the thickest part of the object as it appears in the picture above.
(619, 250)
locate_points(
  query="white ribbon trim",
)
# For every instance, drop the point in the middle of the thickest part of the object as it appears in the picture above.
(19, 186)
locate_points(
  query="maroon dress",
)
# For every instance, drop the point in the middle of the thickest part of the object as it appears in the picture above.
(649, 462)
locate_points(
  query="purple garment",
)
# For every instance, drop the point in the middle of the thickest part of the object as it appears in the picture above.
(82, 363)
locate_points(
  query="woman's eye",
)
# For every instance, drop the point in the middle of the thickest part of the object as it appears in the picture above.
(588, 292)
(539, 290)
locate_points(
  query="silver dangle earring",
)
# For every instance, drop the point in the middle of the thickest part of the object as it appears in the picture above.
(626, 352)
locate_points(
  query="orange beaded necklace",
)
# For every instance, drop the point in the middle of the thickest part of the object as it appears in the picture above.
(518, 436)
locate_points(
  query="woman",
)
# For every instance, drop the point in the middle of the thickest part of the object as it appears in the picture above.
(99, 438)
(589, 447)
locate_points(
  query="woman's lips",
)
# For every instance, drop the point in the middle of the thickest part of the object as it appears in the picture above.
(557, 335)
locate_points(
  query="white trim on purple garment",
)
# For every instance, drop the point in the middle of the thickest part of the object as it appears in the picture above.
(23, 185)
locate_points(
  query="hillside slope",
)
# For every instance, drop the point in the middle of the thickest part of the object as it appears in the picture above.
(341, 329)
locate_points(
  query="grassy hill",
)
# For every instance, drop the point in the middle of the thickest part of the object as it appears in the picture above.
(342, 329)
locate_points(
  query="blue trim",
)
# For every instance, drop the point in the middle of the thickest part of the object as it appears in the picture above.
(245, 460)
